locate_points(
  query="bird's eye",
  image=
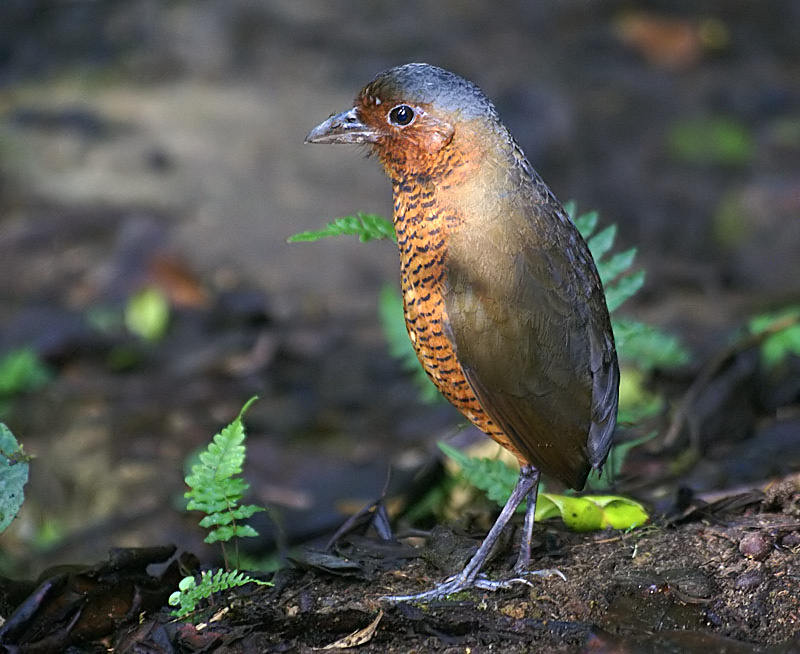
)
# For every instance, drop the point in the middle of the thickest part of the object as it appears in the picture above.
(401, 115)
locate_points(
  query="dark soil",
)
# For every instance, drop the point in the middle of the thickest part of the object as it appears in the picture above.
(720, 582)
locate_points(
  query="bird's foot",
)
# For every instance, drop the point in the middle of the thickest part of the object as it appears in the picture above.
(462, 582)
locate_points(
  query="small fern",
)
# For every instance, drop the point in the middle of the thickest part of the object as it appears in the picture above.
(647, 347)
(216, 489)
(190, 592)
(367, 226)
(619, 282)
(492, 476)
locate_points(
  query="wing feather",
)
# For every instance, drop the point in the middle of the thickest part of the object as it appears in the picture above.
(530, 326)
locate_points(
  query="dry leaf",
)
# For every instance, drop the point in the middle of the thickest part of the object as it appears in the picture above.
(357, 637)
(673, 43)
(174, 276)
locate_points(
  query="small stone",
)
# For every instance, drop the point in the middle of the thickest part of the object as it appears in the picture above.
(791, 540)
(756, 545)
(748, 580)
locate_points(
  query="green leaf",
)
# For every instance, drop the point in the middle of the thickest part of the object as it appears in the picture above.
(591, 512)
(785, 339)
(616, 265)
(22, 370)
(147, 314)
(618, 282)
(587, 513)
(366, 226)
(625, 287)
(586, 223)
(191, 592)
(226, 533)
(492, 476)
(215, 487)
(13, 476)
(602, 242)
(648, 347)
(716, 140)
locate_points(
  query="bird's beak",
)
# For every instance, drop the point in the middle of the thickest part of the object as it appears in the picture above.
(345, 127)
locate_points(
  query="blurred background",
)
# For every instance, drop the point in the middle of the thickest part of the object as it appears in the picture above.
(152, 162)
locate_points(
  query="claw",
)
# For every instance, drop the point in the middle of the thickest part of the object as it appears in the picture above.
(470, 576)
(460, 583)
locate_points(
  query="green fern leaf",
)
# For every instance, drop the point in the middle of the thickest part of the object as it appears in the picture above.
(492, 476)
(619, 283)
(586, 223)
(366, 226)
(616, 265)
(602, 242)
(625, 287)
(648, 347)
(191, 591)
(214, 487)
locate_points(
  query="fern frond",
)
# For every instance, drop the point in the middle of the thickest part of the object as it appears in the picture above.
(214, 487)
(492, 476)
(367, 226)
(602, 242)
(648, 347)
(191, 592)
(586, 223)
(619, 282)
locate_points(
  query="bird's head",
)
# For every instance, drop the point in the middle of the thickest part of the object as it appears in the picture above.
(417, 118)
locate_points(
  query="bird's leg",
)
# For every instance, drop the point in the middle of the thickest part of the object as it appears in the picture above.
(524, 558)
(470, 576)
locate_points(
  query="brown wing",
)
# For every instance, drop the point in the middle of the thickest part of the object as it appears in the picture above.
(528, 320)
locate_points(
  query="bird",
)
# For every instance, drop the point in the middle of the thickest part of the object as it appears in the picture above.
(501, 296)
